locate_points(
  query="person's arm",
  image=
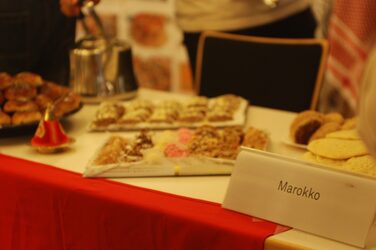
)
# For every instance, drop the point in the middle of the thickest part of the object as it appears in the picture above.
(71, 7)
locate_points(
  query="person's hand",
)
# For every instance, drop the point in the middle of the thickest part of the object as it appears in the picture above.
(71, 7)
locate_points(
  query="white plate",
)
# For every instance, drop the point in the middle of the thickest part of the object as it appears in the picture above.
(289, 142)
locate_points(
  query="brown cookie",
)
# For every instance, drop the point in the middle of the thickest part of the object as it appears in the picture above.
(304, 125)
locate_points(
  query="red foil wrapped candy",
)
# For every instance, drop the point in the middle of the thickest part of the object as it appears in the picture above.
(50, 136)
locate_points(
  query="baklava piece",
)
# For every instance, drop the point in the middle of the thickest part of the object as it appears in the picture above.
(219, 114)
(112, 152)
(135, 116)
(162, 116)
(192, 114)
(255, 138)
(205, 141)
(108, 114)
(140, 104)
(198, 101)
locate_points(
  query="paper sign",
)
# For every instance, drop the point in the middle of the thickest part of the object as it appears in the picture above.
(305, 196)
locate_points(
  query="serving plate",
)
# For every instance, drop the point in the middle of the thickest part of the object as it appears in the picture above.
(287, 141)
(239, 119)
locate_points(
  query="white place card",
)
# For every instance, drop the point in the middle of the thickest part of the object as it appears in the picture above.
(319, 200)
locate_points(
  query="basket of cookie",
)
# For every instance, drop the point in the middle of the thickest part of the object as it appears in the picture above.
(225, 110)
(206, 150)
(25, 96)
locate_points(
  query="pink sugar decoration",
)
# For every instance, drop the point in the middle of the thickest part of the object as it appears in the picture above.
(184, 135)
(172, 150)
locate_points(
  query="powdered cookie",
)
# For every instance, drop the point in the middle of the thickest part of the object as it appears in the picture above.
(349, 123)
(324, 130)
(349, 134)
(365, 164)
(338, 149)
(309, 156)
(333, 117)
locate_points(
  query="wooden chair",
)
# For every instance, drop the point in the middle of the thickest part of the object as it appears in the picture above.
(278, 73)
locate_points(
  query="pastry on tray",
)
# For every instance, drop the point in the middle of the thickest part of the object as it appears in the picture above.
(205, 150)
(221, 111)
(205, 141)
(25, 97)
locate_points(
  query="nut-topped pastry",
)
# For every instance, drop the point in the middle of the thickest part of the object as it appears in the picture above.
(255, 138)
(135, 116)
(109, 113)
(174, 113)
(198, 101)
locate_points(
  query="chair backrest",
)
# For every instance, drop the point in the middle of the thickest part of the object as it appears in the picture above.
(278, 73)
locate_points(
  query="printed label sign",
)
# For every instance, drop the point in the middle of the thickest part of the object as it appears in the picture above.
(315, 199)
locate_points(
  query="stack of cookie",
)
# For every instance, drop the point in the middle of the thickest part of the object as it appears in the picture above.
(25, 96)
(342, 149)
(310, 125)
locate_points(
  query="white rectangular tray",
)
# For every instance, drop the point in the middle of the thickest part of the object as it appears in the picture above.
(239, 119)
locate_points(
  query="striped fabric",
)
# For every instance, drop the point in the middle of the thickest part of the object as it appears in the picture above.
(352, 33)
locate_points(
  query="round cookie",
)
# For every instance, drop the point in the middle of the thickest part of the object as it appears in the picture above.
(304, 125)
(309, 156)
(349, 134)
(365, 164)
(349, 123)
(338, 149)
(324, 130)
(333, 117)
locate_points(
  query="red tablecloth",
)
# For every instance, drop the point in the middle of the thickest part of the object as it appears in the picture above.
(43, 207)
